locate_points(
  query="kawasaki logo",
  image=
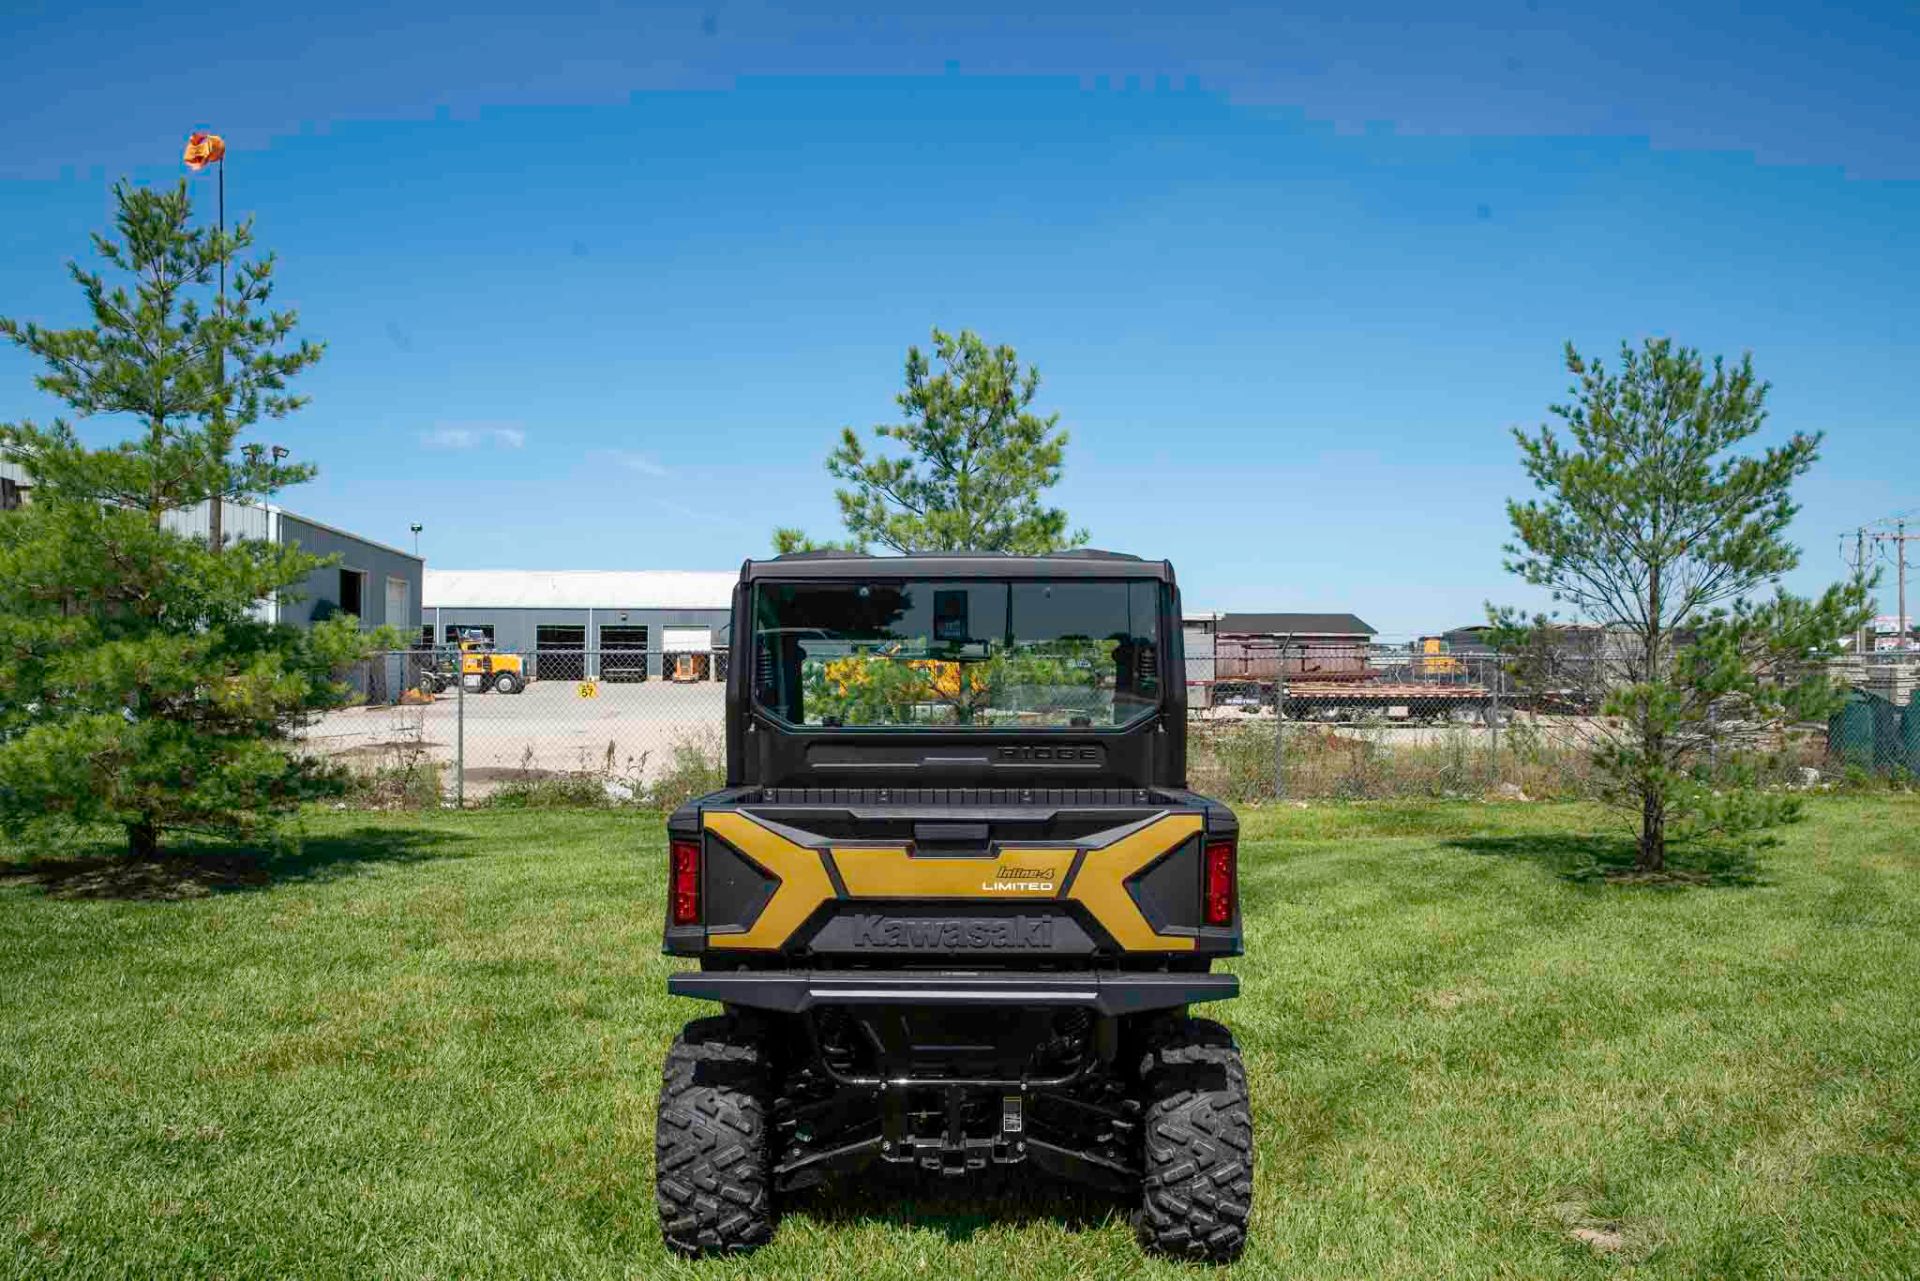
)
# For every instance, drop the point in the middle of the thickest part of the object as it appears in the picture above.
(1019, 933)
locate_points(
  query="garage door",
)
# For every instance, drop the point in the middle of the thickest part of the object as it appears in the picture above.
(561, 652)
(623, 653)
(689, 653)
(687, 640)
(399, 604)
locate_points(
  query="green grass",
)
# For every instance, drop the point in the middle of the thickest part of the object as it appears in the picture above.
(428, 1046)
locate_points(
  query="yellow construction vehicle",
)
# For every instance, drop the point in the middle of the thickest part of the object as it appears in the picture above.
(1435, 660)
(481, 670)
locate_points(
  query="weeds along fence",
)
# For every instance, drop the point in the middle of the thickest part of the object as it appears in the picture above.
(1419, 717)
(1281, 719)
(1319, 718)
(553, 727)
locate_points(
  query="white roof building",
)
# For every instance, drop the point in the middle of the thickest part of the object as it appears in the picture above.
(666, 589)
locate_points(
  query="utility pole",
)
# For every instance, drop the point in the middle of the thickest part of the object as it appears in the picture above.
(1900, 538)
(1862, 639)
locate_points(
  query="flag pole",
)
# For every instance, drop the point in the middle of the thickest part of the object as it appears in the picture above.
(217, 534)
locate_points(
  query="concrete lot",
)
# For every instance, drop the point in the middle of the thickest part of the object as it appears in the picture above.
(548, 727)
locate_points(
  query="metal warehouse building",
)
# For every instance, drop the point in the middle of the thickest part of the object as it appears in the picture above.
(596, 624)
(378, 584)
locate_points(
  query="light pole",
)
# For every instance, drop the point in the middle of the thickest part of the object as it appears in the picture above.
(416, 527)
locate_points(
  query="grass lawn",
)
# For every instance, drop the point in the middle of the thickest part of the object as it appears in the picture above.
(428, 1046)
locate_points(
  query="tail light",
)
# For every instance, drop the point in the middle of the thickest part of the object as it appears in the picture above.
(1220, 882)
(685, 860)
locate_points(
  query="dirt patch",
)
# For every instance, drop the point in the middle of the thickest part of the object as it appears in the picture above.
(1604, 1240)
(1626, 1242)
(381, 751)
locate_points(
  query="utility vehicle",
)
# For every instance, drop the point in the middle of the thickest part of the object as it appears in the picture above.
(955, 900)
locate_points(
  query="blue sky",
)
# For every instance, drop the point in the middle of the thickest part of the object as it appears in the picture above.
(600, 287)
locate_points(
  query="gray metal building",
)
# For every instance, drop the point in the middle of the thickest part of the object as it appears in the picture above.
(597, 624)
(14, 483)
(378, 584)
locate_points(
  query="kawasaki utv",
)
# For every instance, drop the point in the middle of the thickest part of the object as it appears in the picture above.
(955, 900)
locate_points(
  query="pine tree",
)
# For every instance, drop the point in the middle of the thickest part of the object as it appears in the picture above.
(1653, 529)
(139, 683)
(977, 464)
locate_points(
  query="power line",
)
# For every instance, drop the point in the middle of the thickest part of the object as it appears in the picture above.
(1910, 513)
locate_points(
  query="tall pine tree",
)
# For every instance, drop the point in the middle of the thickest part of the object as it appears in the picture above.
(140, 684)
(977, 463)
(1652, 526)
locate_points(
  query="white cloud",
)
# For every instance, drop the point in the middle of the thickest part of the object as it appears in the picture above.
(636, 462)
(474, 436)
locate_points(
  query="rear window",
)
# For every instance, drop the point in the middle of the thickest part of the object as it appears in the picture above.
(962, 653)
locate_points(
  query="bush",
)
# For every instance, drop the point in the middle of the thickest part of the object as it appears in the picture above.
(695, 766)
(402, 773)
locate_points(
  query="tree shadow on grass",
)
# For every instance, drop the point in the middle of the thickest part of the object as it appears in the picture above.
(193, 869)
(959, 1209)
(1608, 860)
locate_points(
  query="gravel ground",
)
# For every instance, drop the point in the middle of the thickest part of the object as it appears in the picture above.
(547, 727)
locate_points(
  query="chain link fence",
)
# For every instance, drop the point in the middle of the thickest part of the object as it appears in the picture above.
(545, 727)
(1294, 718)
(1876, 732)
(1307, 718)
(1287, 718)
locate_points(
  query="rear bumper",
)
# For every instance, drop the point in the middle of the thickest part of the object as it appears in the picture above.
(796, 991)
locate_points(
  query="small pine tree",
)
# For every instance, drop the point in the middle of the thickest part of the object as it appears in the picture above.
(977, 465)
(139, 684)
(1654, 529)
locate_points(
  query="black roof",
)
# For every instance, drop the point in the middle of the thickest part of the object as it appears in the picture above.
(1292, 625)
(1081, 562)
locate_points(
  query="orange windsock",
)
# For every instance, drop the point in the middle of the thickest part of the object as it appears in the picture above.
(204, 149)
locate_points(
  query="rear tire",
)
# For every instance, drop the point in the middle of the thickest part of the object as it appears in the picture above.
(711, 1145)
(1197, 1186)
(506, 683)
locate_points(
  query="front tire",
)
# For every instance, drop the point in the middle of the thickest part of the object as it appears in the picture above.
(1197, 1189)
(711, 1142)
(506, 683)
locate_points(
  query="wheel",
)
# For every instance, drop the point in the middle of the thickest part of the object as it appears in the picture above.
(1197, 1186)
(506, 683)
(711, 1144)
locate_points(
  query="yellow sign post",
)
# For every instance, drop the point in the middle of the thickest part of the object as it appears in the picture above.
(589, 689)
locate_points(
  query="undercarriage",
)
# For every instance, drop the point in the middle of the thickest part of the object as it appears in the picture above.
(952, 1092)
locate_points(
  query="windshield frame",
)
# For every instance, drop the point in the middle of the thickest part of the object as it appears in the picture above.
(1145, 709)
